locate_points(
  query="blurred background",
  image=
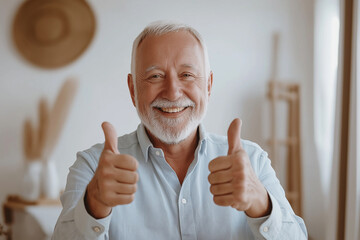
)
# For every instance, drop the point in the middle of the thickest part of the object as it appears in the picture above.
(250, 43)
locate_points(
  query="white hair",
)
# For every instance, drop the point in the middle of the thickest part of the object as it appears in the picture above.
(159, 28)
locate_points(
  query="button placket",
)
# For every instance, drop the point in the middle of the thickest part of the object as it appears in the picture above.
(186, 217)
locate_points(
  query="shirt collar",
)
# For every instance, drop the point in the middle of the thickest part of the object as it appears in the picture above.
(145, 142)
(202, 138)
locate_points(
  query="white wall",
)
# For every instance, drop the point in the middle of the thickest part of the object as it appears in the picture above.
(238, 34)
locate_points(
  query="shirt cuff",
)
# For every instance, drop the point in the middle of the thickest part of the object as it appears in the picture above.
(269, 226)
(90, 227)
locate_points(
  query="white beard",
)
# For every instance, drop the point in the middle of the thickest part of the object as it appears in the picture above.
(166, 129)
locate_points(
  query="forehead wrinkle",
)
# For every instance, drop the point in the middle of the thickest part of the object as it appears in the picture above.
(187, 65)
(152, 67)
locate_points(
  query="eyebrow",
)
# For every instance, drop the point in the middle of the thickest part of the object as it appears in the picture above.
(185, 65)
(151, 68)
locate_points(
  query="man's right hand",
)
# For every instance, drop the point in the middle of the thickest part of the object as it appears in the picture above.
(114, 182)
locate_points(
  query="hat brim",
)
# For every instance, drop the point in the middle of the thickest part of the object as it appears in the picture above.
(53, 33)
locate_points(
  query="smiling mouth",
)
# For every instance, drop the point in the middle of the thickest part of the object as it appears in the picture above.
(171, 109)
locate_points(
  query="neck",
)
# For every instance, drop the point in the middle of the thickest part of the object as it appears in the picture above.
(180, 155)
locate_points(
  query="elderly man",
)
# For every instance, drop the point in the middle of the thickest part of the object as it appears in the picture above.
(170, 179)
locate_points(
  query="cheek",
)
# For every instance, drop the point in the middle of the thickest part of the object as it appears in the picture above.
(145, 95)
(201, 95)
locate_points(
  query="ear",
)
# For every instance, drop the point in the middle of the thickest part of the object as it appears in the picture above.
(209, 83)
(131, 86)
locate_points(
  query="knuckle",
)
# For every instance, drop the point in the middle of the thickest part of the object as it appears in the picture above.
(132, 197)
(105, 159)
(129, 199)
(133, 188)
(211, 165)
(216, 176)
(130, 178)
(213, 189)
(136, 163)
(210, 178)
(134, 177)
(130, 161)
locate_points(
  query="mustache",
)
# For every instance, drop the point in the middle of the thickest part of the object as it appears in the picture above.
(164, 103)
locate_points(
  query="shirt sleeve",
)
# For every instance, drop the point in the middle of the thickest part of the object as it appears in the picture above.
(282, 223)
(74, 221)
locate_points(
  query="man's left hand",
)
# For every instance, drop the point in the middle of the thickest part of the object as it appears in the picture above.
(233, 181)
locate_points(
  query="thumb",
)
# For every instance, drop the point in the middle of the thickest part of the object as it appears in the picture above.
(111, 142)
(234, 133)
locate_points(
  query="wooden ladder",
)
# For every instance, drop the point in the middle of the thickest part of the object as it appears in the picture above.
(290, 93)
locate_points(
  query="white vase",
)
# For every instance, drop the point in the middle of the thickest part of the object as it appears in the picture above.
(49, 181)
(31, 182)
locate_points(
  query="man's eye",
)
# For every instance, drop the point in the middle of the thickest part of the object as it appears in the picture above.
(187, 76)
(156, 76)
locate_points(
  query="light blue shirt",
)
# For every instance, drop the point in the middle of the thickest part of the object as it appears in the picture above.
(165, 209)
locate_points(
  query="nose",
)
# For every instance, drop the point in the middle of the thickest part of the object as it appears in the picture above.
(172, 88)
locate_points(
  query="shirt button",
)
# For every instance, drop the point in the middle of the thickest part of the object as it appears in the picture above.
(96, 229)
(183, 201)
(157, 153)
(265, 229)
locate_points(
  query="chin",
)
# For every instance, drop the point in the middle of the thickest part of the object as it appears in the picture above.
(170, 134)
(171, 130)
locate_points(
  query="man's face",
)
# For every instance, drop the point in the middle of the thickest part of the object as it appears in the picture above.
(172, 91)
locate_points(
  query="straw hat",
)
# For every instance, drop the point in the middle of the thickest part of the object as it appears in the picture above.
(53, 33)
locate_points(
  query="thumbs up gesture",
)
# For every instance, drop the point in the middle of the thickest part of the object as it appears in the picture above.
(233, 181)
(114, 181)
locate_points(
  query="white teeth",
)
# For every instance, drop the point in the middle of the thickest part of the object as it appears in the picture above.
(172, 110)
